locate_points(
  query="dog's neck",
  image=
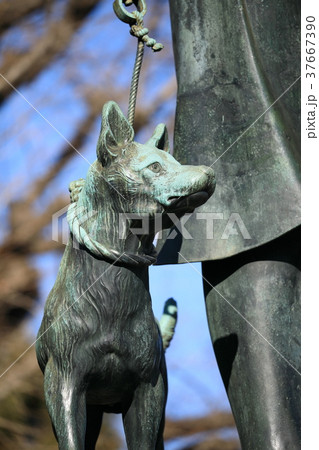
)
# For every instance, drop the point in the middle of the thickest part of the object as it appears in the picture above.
(112, 235)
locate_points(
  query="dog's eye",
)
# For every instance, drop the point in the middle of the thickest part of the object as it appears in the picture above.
(155, 167)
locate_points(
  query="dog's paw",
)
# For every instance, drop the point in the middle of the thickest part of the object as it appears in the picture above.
(75, 188)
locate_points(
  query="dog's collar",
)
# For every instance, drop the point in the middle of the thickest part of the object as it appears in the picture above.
(101, 250)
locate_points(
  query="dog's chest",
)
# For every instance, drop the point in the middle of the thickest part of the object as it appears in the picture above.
(124, 339)
(106, 332)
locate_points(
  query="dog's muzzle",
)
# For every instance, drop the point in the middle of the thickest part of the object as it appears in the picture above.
(188, 203)
(202, 191)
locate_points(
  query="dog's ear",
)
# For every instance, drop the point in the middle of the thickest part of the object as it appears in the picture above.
(159, 138)
(115, 132)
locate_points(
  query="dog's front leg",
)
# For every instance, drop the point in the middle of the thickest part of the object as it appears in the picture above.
(144, 419)
(65, 400)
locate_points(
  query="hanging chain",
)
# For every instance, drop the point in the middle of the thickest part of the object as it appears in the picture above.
(135, 20)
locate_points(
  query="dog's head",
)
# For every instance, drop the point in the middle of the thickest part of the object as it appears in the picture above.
(146, 178)
(140, 179)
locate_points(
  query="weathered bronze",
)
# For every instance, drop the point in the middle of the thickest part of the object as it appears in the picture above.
(99, 345)
(238, 73)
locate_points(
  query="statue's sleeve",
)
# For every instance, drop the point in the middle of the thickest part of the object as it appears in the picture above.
(238, 111)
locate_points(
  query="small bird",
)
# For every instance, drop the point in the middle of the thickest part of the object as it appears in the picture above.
(168, 322)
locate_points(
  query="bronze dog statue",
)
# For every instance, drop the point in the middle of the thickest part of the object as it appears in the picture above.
(99, 345)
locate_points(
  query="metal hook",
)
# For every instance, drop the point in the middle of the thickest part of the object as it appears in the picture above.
(124, 15)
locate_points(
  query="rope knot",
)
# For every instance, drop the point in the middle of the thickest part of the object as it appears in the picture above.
(138, 30)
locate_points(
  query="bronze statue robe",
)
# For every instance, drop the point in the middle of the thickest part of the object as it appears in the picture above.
(238, 73)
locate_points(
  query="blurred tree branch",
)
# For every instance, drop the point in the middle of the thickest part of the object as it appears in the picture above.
(187, 427)
(12, 11)
(23, 67)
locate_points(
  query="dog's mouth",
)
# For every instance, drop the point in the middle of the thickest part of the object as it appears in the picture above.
(187, 203)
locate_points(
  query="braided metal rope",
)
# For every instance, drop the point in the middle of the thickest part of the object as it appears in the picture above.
(134, 82)
(141, 33)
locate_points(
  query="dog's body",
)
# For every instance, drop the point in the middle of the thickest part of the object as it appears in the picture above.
(99, 345)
